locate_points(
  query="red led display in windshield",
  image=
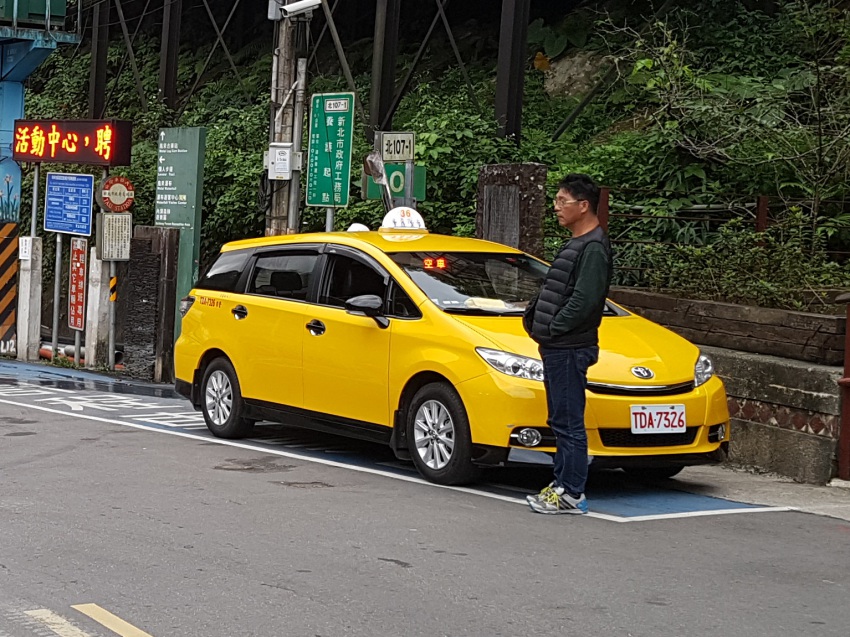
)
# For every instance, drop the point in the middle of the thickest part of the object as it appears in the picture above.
(438, 263)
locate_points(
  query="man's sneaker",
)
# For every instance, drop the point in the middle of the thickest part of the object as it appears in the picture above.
(539, 497)
(556, 502)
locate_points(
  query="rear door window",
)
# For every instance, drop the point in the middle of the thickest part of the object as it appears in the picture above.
(284, 274)
(223, 275)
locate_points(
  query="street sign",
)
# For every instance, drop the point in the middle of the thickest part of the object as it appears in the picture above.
(77, 284)
(395, 178)
(68, 202)
(106, 142)
(329, 156)
(25, 248)
(395, 146)
(179, 178)
(117, 194)
(179, 195)
(114, 231)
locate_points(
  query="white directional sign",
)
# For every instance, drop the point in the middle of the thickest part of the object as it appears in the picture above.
(396, 146)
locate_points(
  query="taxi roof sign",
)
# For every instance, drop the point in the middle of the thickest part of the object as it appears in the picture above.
(403, 219)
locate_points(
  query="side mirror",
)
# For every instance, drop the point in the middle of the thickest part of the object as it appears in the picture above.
(368, 305)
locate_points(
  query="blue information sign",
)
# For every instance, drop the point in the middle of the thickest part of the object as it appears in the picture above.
(68, 203)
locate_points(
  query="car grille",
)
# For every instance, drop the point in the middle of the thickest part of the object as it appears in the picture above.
(625, 438)
(630, 390)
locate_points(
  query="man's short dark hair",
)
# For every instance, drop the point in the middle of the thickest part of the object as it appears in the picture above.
(582, 187)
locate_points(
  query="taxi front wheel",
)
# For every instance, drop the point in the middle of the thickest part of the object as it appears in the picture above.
(438, 435)
(221, 401)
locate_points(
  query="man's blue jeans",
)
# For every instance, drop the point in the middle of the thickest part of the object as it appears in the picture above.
(565, 379)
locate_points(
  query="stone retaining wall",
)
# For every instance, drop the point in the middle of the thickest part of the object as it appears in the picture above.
(785, 413)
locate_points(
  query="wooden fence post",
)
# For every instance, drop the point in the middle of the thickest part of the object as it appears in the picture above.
(602, 208)
(761, 213)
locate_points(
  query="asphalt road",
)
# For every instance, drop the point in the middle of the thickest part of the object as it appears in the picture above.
(105, 519)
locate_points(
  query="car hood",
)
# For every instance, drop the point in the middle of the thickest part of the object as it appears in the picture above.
(624, 341)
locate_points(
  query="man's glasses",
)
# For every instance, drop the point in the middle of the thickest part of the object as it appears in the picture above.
(562, 202)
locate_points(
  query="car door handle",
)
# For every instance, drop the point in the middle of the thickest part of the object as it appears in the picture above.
(317, 328)
(240, 312)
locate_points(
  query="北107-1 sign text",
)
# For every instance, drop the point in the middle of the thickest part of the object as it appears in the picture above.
(81, 141)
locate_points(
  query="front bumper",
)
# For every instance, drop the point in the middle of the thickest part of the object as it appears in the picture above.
(499, 405)
(528, 457)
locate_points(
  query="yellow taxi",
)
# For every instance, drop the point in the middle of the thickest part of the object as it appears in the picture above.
(416, 340)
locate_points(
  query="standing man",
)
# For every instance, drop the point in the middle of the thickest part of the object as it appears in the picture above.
(564, 321)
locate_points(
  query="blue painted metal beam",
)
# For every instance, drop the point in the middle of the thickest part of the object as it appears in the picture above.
(18, 60)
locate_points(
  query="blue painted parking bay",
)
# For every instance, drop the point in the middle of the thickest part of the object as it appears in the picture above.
(612, 495)
(656, 501)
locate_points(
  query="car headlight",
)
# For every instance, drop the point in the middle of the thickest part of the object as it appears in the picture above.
(512, 364)
(703, 370)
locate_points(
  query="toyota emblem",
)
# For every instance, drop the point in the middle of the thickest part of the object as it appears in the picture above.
(643, 372)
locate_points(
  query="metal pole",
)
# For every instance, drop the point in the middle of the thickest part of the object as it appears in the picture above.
(329, 220)
(76, 347)
(57, 291)
(294, 216)
(111, 344)
(844, 385)
(112, 274)
(409, 201)
(36, 178)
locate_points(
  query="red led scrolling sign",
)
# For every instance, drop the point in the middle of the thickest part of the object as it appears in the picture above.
(78, 141)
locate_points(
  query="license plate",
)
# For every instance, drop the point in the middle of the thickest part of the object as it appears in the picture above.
(658, 419)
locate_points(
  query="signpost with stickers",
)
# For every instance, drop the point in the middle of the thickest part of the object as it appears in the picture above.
(329, 155)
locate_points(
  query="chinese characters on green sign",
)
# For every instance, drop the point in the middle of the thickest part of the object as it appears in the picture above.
(179, 193)
(329, 156)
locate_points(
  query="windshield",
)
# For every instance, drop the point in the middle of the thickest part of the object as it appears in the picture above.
(475, 282)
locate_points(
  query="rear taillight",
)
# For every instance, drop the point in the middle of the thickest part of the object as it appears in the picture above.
(185, 304)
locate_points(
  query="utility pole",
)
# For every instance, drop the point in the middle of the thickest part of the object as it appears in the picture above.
(282, 107)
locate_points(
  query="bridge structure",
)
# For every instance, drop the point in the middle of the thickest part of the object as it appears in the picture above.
(29, 31)
(386, 90)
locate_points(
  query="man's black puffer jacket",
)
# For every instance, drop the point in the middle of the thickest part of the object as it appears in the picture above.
(556, 292)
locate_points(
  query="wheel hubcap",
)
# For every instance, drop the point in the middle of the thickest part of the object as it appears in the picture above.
(219, 398)
(434, 434)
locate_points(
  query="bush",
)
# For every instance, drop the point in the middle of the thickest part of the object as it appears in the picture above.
(749, 267)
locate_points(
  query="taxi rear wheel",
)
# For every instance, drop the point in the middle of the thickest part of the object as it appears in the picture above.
(438, 435)
(654, 473)
(221, 401)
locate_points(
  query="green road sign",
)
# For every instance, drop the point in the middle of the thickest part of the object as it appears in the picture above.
(179, 190)
(329, 157)
(395, 178)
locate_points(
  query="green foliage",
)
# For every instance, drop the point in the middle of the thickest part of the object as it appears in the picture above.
(749, 267)
(711, 99)
(553, 40)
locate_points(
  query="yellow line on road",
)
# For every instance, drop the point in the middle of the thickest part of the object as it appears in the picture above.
(56, 623)
(113, 623)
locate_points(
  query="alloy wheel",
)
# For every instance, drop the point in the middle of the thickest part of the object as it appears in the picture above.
(434, 434)
(219, 398)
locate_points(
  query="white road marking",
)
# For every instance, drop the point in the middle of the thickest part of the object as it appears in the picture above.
(56, 623)
(379, 472)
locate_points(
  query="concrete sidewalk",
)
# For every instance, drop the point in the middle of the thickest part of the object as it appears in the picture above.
(766, 489)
